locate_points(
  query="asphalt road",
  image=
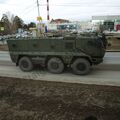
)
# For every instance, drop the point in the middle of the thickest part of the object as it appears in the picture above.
(107, 73)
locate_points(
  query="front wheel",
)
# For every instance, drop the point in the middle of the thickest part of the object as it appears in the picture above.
(81, 66)
(55, 65)
(25, 64)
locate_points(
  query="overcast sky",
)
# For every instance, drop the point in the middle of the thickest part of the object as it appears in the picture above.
(67, 9)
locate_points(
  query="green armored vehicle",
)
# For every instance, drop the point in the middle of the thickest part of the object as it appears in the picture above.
(77, 52)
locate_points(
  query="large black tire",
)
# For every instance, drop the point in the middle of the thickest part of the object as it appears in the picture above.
(55, 65)
(25, 64)
(81, 66)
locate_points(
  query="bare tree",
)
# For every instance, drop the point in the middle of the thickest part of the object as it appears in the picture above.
(12, 23)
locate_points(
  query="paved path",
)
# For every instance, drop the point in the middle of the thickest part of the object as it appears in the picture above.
(107, 73)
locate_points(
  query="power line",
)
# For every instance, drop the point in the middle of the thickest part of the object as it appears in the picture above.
(66, 4)
(29, 10)
(77, 5)
(28, 7)
(92, 4)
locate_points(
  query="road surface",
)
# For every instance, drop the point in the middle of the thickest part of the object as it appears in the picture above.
(107, 73)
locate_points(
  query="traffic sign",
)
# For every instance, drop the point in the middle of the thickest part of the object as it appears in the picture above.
(39, 18)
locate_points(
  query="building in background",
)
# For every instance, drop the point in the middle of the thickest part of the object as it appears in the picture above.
(110, 22)
(59, 21)
(54, 22)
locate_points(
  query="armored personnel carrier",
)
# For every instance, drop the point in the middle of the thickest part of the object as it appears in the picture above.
(78, 52)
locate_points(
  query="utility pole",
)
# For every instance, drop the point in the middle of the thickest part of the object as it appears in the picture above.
(39, 19)
(38, 8)
(48, 17)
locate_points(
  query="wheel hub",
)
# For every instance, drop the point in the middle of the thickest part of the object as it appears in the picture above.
(25, 64)
(55, 65)
(81, 67)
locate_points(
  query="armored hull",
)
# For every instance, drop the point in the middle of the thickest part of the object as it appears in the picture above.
(78, 52)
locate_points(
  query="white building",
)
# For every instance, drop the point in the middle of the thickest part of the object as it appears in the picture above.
(107, 17)
(97, 20)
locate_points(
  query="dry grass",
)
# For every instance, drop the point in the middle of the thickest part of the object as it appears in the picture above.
(22, 99)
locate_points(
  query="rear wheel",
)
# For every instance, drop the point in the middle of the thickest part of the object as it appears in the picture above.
(55, 65)
(25, 64)
(81, 66)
